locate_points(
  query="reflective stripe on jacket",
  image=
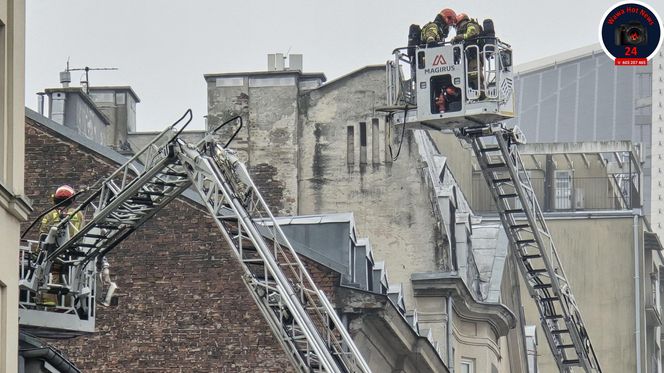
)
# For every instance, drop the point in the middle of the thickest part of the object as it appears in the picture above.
(53, 218)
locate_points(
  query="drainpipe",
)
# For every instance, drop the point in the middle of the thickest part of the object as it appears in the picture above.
(450, 357)
(637, 294)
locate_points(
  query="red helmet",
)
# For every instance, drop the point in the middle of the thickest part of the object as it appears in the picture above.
(460, 17)
(449, 16)
(62, 193)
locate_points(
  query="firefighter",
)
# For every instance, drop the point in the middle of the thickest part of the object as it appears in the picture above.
(63, 209)
(437, 31)
(62, 199)
(448, 16)
(467, 32)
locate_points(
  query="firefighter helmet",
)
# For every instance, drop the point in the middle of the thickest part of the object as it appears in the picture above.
(460, 17)
(449, 16)
(62, 193)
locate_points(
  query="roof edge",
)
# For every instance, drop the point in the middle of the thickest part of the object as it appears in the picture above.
(556, 59)
(266, 73)
(85, 97)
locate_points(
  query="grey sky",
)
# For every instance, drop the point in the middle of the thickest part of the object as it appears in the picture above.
(163, 48)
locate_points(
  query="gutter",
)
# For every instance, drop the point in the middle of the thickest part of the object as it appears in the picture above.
(637, 295)
(450, 357)
(45, 353)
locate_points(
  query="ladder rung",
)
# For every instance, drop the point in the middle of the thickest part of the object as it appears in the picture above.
(530, 256)
(150, 193)
(141, 201)
(549, 299)
(495, 166)
(538, 270)
(508, 195)
(519, 226)
(227, 217)
(524, 242)
(553, 317)
(562, 347)
(107, 226)
(514, 211)
(501, 180)
(86, 244)
(95, 236)
(173, 173)
(571, 362)
(560, 331)
(490, 149)
(163, 183)
(542, 286)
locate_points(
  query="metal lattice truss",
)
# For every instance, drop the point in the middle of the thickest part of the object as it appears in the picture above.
(533, 246)
(115, 207)
(298, 312)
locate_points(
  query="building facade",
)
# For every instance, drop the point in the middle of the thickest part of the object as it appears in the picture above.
(329, 150)
(440, 256)
(14, 207)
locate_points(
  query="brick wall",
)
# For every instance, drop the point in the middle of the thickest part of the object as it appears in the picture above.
(184, 307)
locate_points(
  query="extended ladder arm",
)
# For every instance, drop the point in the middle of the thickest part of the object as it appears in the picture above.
(298, 312)
(533, 246)
(118, 206)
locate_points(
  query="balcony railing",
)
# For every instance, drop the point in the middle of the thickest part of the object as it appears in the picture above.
(615, 192)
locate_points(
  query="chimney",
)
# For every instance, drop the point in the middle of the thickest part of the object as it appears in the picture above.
(275, 62)
(295, 62)
(40, 102)
(65, 78)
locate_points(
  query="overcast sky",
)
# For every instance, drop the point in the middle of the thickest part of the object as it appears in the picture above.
(163, 48)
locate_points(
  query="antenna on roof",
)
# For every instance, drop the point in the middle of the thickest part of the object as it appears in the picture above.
(87, 70)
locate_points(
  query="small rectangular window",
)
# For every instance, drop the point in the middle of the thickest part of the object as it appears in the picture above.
(467, 365)
(375, 133)
(350, 145)
(563, 189)
(119, 98)
(363, 143)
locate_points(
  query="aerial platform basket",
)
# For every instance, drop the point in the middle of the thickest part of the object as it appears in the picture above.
(451, 85)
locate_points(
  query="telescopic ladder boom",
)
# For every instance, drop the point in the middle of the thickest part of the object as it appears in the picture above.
(533, 247)
(299, 314)
(301, 317)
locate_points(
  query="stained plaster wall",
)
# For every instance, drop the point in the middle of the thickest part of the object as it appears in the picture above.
(601, 273)
(85, 120)
(389, 199)
(268, 139)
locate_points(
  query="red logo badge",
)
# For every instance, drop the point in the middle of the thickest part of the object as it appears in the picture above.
(439, 60)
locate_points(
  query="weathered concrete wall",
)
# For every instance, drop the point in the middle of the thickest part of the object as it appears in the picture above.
(340, 169)
(268, 140)
(600, 270)
(459, 157)
(83, 119)
(273, 122)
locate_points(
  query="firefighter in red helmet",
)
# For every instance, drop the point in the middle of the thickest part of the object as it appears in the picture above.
(62, 199)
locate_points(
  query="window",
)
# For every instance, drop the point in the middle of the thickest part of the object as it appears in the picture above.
(562, 190)
(467, 365)
(363, 143)
(350, 145)
(375, 155)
